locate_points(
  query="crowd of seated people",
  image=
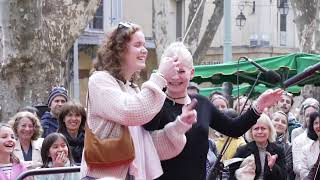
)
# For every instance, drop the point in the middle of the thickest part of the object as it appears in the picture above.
(295, 147)
(57, 140)
(279, 146)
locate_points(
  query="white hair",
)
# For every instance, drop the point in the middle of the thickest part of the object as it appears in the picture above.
(181, 51)
(264, 119)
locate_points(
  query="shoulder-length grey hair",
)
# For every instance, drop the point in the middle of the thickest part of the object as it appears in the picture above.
(37, 128)
(267, 121)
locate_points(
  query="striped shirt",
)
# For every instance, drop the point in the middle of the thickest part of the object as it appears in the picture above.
(6, 169)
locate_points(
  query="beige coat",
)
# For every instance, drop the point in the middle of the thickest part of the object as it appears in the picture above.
(36, 154)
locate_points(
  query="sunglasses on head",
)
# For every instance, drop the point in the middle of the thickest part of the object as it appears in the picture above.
(287, 93)
(123, 25)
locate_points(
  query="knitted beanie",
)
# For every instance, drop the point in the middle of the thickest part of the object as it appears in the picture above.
(57, 91)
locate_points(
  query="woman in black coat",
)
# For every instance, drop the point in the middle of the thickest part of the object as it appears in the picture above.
(269, 156)
(71, 124)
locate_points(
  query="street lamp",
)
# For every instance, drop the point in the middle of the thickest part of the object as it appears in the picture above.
(283, 7)
(241, 20)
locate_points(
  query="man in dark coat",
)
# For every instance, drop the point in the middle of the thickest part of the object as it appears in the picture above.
(58, 96)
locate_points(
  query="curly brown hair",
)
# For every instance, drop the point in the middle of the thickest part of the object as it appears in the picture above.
(110, 52)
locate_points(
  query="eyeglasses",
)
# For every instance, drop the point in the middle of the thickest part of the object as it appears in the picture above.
(122, 25)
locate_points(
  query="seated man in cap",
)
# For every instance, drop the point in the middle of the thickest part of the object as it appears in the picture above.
(58, 96)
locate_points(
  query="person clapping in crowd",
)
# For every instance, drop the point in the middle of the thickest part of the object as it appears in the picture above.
(269, 157)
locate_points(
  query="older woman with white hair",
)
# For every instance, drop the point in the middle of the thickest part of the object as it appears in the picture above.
(28, 130)
(269, 157)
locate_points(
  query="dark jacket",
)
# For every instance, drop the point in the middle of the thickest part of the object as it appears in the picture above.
(315, 171)
(288, 154)
(76, 145)
(292, 124)
(190, 164)
(49, 124)
(278, 171)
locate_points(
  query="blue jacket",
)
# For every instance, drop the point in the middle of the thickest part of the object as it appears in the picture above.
(49, 124)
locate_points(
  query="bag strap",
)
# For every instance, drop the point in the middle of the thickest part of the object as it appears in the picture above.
(86, 126)
(87, 107)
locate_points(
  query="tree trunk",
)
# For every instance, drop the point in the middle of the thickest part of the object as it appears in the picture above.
(35, 38)
(210, 32)
(192, 37)
(317, 33)
(160, 30)
(306, 14)
(159, 25)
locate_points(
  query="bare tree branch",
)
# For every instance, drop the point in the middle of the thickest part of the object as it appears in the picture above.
(305, 14)
(36, 36)
(160, 25)
(210, 32)
(192, 37)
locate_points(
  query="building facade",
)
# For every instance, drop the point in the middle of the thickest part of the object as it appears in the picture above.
(266, 32)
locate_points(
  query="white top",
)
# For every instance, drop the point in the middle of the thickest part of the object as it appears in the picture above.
(310, 153)
(297, 145)
(36, 154)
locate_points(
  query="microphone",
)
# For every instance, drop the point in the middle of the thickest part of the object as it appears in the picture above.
(270, 75)
(299, 77)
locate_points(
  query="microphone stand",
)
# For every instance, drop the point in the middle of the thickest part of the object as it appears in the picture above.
(218, 165)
